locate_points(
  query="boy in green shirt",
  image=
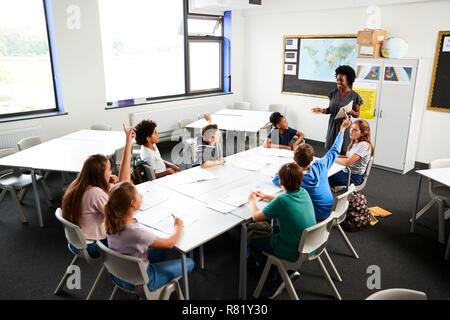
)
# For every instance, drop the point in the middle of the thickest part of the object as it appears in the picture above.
(294, 212)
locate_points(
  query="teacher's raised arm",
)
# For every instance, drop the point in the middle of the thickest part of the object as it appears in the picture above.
(340, 97)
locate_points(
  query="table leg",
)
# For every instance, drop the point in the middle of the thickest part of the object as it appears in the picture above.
(230, 142)
(413, 221)
(240, 141)
(202, 258)
(243, 263)
(252, 139)
(37, 200)
(185, 276)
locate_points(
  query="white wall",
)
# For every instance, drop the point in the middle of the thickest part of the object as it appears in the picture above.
(419, 23)
(82, 77)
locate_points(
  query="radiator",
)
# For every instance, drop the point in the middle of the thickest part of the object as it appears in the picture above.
(9, 138)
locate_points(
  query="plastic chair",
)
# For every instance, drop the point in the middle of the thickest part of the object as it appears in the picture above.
(340, 212)
(281, 108)
(241, 105)
(12, 180)
(29, 142)
(149, 173)
(311, 247)
(101, 126)
(439, 194)
(398, 294)
(76, 238)
(132, 270)
(365, 178)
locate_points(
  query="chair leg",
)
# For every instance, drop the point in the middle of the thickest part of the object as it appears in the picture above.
(66, 276)
(441, 222)
(287, 282)
(178, 291)
(18, 205)
(202, 258)
(337, 276)
(447, 250)
(46, 193)
(114, 293)
(2, 194)
(101, 275)
(327, 277)
(22, 194)
(347, 242)
(263, 278)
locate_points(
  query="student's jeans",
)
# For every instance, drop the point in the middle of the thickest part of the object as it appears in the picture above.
(340, 179)
(92, 248)
(257, 245)
(159, 271)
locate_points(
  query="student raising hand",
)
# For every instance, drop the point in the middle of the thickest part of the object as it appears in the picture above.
(347, 123)
(130, 134)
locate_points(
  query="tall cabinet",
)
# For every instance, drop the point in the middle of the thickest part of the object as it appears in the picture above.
(394, 130)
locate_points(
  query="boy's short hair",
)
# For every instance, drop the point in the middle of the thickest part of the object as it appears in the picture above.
(291, 176)
(144, 129)
(209, 131)
(303, 155)
(275, 118)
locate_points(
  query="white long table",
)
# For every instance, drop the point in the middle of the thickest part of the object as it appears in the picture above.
(228, 178)
(237, 123)
(441, 175)
(64, 154)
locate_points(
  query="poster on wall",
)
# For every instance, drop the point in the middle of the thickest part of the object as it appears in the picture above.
(368, 93)
(290, 57)
(397, 74)
(291, 44)
(290, 69)
(368, 72)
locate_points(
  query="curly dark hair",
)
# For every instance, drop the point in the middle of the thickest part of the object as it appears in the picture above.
(144, 129)
(275, 118)
(348, 72)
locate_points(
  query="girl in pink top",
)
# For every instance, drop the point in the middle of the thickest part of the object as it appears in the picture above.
(86, 196)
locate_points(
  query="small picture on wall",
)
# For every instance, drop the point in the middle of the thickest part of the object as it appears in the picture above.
(397, 74)
(290, 69)
(368, 72)
(290, 57)
(291, 44)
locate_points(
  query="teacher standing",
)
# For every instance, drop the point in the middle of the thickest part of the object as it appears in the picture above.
(340, 97)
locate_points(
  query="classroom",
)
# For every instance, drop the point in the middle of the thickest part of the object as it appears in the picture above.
(194, 150)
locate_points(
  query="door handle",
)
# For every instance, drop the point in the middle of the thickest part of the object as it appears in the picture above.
(381, 113)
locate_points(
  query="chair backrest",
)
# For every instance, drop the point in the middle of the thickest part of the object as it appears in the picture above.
(281, 108)
(149, 173)
(28, 142)
(184, 122)
(129, 269)
(366, 175)
(241, 105)
(315, 237)
(101, 126)
(4, 153)
(398, 294)
(72, 231)
(342, 204)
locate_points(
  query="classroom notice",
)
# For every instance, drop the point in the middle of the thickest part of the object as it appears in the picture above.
(368, 95)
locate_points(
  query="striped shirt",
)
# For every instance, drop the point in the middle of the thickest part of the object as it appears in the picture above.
(363, 150)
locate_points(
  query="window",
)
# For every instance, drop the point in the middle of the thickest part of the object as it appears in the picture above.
(26, 75)
(205, 42)
(147, 54)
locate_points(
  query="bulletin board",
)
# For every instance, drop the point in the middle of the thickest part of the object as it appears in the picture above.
(309, 62)
(439, 96)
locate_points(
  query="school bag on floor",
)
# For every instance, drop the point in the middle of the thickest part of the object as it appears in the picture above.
(358, 214)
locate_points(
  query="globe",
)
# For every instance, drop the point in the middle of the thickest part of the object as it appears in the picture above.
(394, 48)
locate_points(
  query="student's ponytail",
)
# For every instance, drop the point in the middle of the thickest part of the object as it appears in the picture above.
(119, 199)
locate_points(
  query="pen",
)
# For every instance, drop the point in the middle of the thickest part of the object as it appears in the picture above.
(172, 215)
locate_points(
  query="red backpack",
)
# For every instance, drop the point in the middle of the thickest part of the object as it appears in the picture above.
(358, 214)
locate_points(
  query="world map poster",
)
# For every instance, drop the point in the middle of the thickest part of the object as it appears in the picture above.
(320, 57)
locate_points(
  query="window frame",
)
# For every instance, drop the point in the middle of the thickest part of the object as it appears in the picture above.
(41, 112)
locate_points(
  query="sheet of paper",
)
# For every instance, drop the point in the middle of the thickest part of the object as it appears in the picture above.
(153, 215)
(276, 152)
(189, 176)
(166, 225)
(263, 159)
(247, 165)
(266, 187)
(221, 206)
(151, 199)
(347, 108)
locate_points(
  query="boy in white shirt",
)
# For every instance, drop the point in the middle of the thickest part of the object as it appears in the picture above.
(147, 137)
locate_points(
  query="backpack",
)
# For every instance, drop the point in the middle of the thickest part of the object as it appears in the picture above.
(261, 228)
(137, 171)
(358, 214)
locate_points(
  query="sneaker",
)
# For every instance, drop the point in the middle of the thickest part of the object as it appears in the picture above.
(293, 275)
(275, 286)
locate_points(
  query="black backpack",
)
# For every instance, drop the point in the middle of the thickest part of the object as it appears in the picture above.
(137, 171)
(358, 214)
